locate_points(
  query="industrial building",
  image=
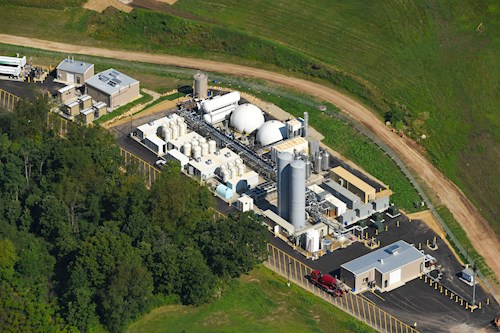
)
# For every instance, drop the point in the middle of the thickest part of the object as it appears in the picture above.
(384, 269)
(12, 66)
(73, 72)
(353, 184)
(113, 88)
(66, 93)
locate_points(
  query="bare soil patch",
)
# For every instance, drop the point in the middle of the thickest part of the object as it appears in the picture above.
(101, 5)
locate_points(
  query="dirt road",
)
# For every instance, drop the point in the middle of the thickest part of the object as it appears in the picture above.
(479, 231)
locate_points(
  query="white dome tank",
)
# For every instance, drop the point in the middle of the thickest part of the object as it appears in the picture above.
(246, 118)
(272, 131)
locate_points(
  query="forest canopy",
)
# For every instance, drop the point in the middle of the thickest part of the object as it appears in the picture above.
(85, 246)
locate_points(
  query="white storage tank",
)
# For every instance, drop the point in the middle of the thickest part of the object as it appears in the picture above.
(204, 149)
(230, 164)
(194, 143)
(182, 129)
(312, 241)
(202, 140)
(166, 133)
(225, 175)
(196, 152)
(212, 146)
(234, 172)
(241, 170)
(238, 161)
(175, 132)
(186, 149)
(220, 102)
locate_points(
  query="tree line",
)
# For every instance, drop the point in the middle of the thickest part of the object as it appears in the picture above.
(86, 246)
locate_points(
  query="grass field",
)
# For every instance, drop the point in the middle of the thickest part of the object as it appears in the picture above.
(258, 302)
(422, 64)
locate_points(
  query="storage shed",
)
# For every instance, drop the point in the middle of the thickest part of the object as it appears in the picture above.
(384, 269)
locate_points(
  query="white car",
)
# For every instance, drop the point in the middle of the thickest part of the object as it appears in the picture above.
(160, 163)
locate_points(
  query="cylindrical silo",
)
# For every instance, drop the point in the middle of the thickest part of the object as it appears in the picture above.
(238, 161)
(175, 132)
(182, 129)
(204, 149)
(186, 149)
(241, 170)
(212, 146)
(200, 90)
(230, 164)
(326, 161)
(225, 175)
(194, 143)
(318, 163)
(202, 140)
(196, 152)
(166, 133)
(283, 180)
(234, 172)
(298, 194)
(308, 168)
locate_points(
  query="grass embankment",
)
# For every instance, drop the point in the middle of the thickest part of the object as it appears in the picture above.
(258, 302)
(464, 240)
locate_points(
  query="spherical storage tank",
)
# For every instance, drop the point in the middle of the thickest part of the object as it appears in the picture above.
(270, 132)
(246, 118)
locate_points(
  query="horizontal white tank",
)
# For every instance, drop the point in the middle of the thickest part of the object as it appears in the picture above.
(13, 61)
(212, 146)
(216, 103)
(186, 149)
(196, 152)
(8, 70)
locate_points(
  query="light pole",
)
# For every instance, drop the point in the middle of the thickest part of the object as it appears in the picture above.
(288, 275)
(474, 269)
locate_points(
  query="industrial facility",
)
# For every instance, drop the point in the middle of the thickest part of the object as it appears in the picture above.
(246, 155)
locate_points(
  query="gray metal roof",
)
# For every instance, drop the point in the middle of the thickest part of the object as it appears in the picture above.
(110, 81)
(386, 259)
(332, 185)
(72, 66)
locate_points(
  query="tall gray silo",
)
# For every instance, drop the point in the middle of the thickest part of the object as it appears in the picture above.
(284, 160)
(326, 161)
(200, 89)
(298, 194)
(305, 126)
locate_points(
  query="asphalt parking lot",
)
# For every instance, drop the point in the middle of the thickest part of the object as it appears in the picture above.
(416, 301)
(25, 89)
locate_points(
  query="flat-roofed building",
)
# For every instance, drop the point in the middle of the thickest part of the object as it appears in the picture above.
(385, 269)
(74, 72)
(297, 144)
(113, 88)
(87, 115)
(353, 183)
(156, 144)
(72, 108)
(350, 199)
(85, 102)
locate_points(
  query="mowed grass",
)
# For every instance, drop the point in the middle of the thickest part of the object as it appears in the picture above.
(258, 302)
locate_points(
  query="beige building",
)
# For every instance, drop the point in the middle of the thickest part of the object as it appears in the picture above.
(74, 72)
(113, 88)
(354, 184)
(384, 269)
(67, 93)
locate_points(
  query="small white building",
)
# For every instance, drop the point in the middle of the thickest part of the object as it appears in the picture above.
(244, 203)
(177, 156)
(297, 144)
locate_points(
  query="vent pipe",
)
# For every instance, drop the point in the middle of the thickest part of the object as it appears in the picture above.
(305, 130)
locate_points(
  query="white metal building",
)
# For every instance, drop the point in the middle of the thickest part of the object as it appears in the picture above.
(385, 269)
(177, 156)
(297, 144)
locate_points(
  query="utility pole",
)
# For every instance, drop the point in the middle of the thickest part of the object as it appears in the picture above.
(474, 268)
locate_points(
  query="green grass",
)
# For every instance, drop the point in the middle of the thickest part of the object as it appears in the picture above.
(422, 63)
(258, 302)
(122, 109)
(464, 240)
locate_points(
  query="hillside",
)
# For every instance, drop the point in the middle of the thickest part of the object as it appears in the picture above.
(427, 65)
